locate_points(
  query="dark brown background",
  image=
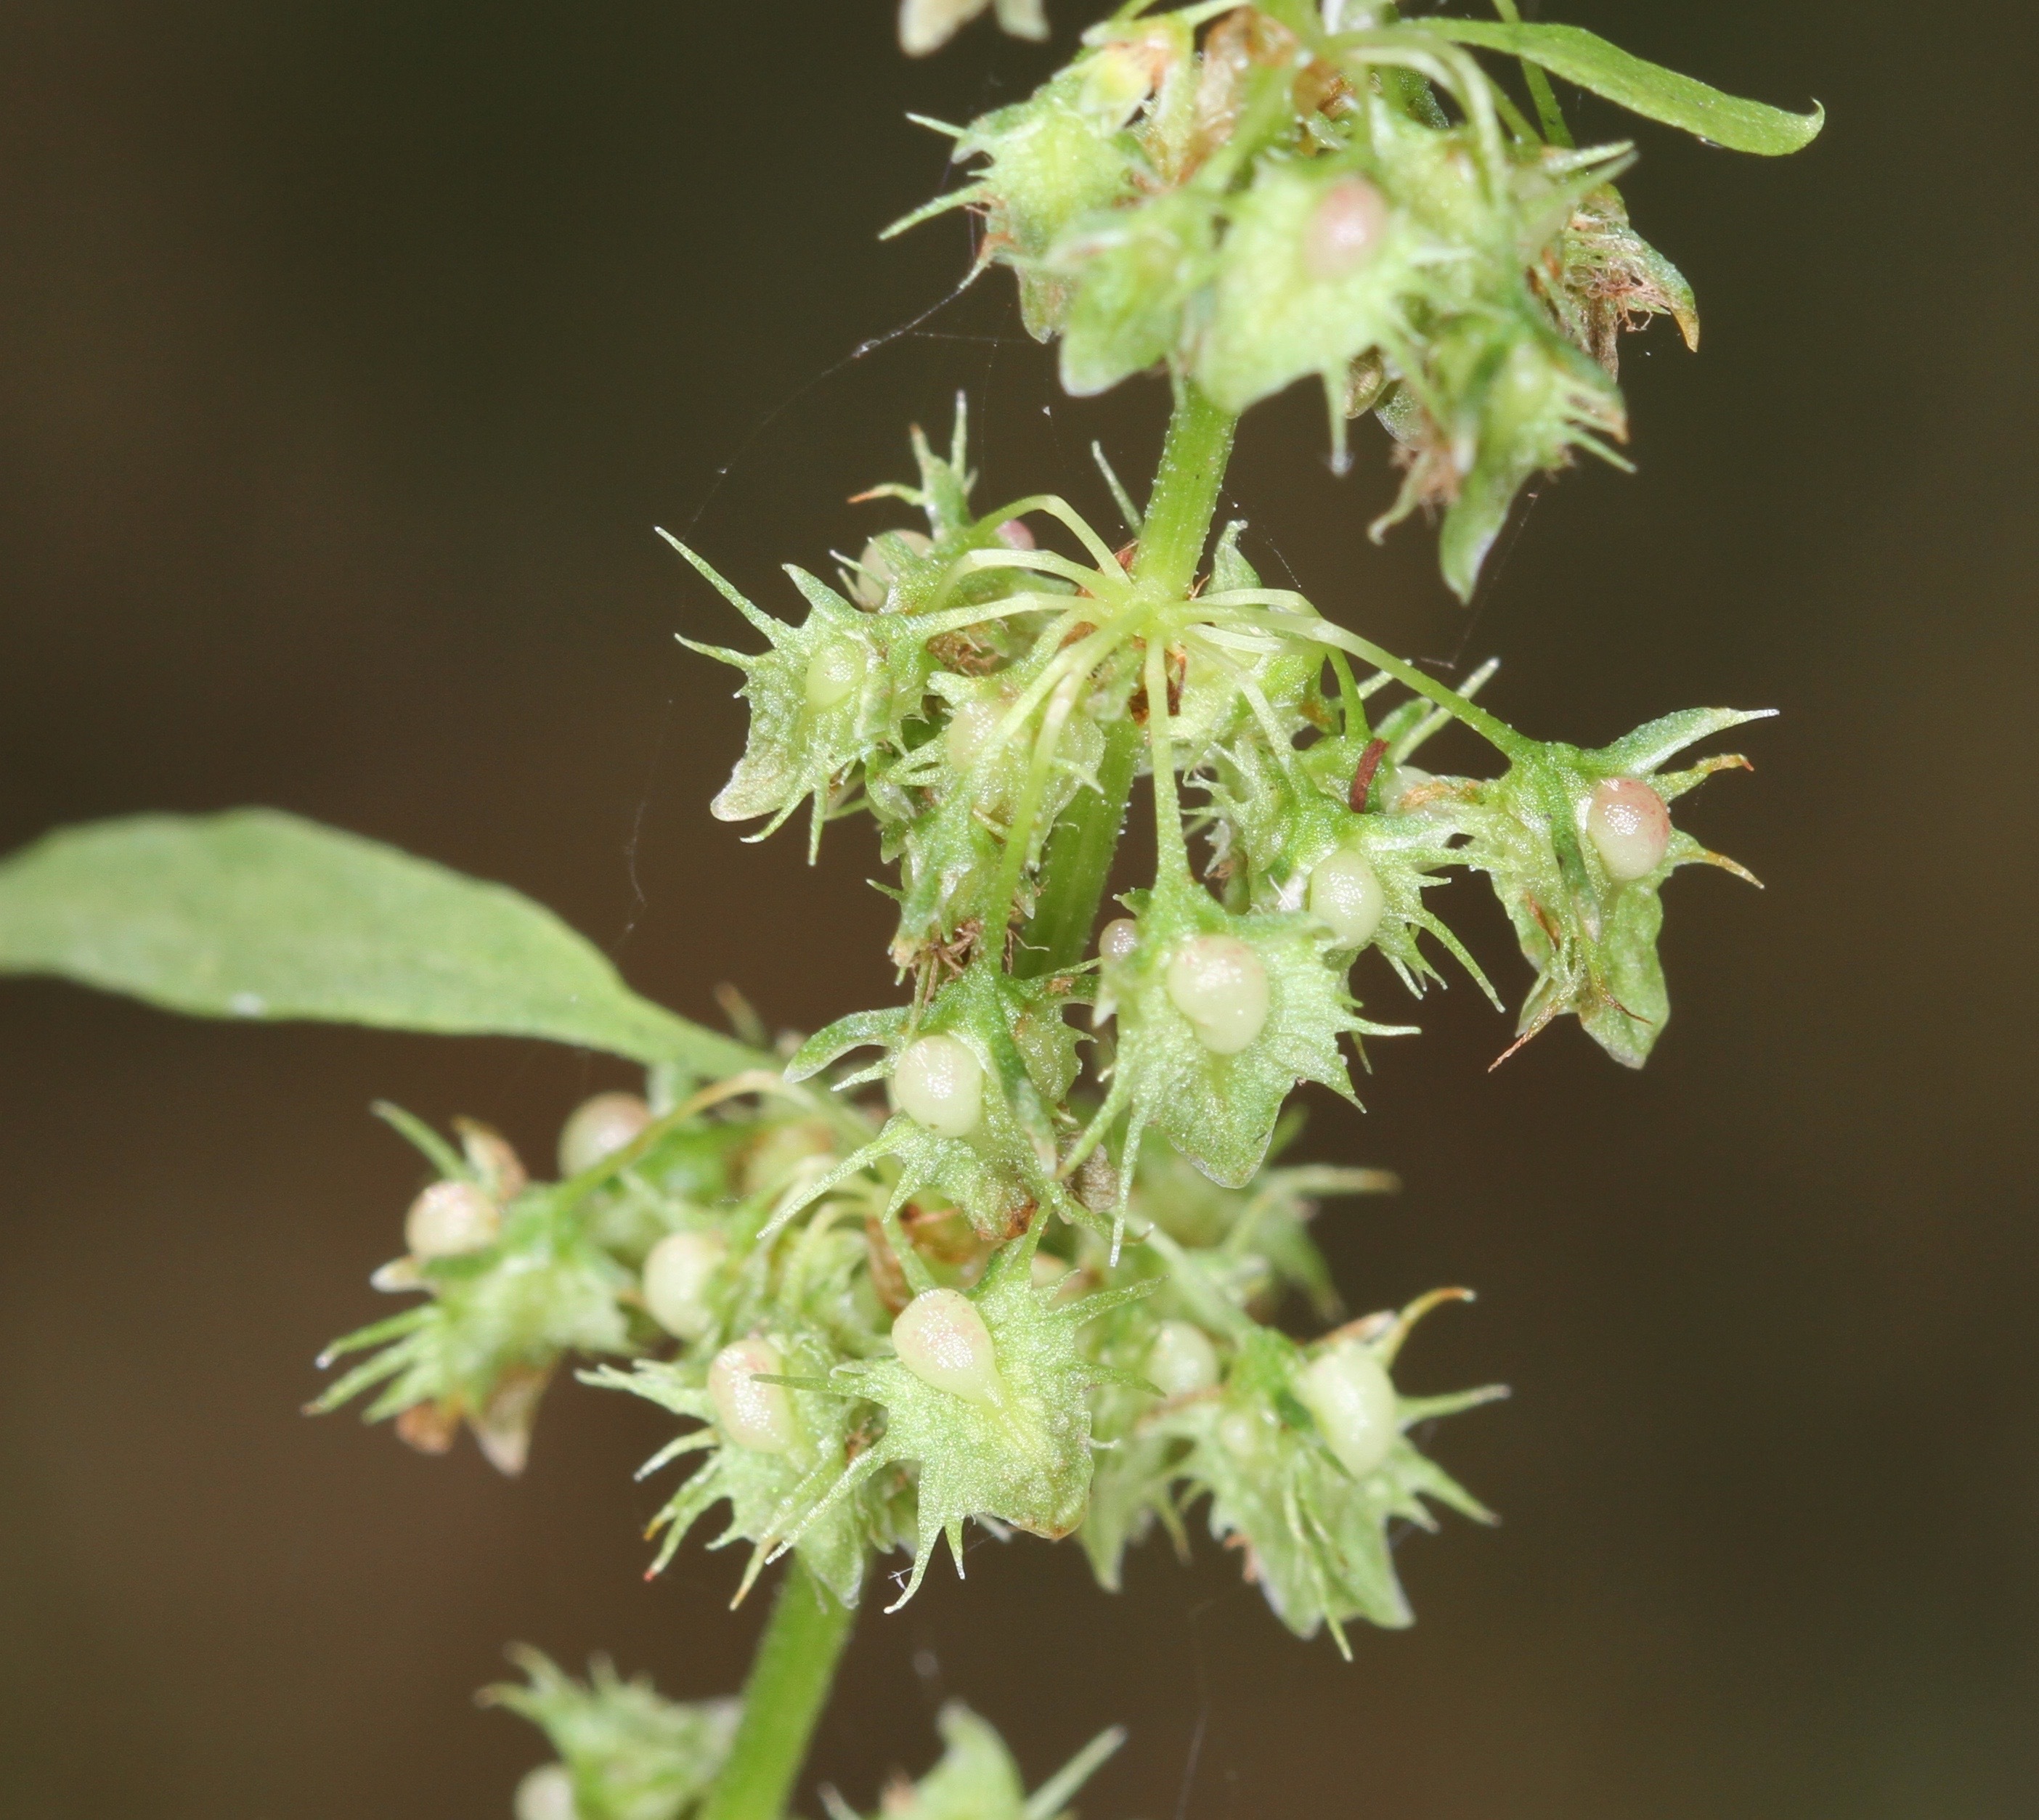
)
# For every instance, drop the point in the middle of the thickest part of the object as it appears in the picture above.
(350, 352)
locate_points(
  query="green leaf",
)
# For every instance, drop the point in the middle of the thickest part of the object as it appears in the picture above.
(1646, 88)
(254, 913)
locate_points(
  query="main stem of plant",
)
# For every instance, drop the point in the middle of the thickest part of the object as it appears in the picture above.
(789, 1683)
(805, 1637)
(1077, 864)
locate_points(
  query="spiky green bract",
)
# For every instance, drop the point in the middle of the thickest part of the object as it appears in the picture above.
(484, 1348)
(632, 1754)
(768, 1493)
(1002, 1171)
(978, 1780)
(1315, 1538)
(1289, 199)
(1283, 814)
(1022, 1457)
(1220, 1110)
(1591, 938)
(829, 694)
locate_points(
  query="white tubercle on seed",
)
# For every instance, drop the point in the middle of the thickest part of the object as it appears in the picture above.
(1349, 1392)
(940, 1084)
(677, 1276)
(451, 1217)
(759, 1416)
(1629, 826)
(835, 672)
(1345, 896)
(1218, 982)
(1119, 937)
(1345, 229)
(970, 728)
(942, 1340)
(545, 1794)
(1181, 1359)
(599, 1128)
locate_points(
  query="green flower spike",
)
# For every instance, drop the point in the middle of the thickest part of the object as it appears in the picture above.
(624, 1753)
(970, 1077)
(978, 1780)
(1305, 1455)
(1577, 845)
(986, 1397)
(770, 1456)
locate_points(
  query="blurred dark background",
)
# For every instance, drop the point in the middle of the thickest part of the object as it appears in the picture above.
(349, 356)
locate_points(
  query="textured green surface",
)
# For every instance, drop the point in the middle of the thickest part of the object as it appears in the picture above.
(253, 913)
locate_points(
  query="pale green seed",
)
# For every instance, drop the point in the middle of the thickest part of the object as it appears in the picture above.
(1345, 896)
(1348, 1390)
(940, 1084)
(1182, 1360)
(942, 1340)
(759, 1416)
(677, 1276)
(1218, 982)
(599, 1128)
(449, 1219)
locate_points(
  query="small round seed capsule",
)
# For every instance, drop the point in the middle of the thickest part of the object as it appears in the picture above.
(969, 727)
(1242, 1434)
(942, 1340)
(1345, 896)
(1629, 826)
(677, 1276)
(545, 1794)
(1119, 937)
(940, 1084)
(759, 1416)
(1015, 534)
(835, 672)
(451, 1218)
(1182, 1360)
(1349, 1392)
(1345, 229)
(599, 1128)
(1218, 984)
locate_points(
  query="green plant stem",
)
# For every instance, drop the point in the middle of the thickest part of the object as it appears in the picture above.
(790, 1679)
(1178, 514)
(1077, 864)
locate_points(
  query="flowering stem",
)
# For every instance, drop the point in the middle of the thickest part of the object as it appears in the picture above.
(789, 1683)
(1178, 514)
(1078, 863)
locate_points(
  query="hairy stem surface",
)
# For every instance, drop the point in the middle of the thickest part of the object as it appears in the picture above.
(789, 1683)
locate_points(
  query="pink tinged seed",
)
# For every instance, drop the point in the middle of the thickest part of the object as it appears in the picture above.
(677, 1274)
(1629, 826)
(1015, 535)
(939, 1084)
(1119, 937)
(759, 1416)
(1349, 1392)
(451, 1218)
(599, 1128)
(1345, 229)
(942, 1340)
(1217, 982)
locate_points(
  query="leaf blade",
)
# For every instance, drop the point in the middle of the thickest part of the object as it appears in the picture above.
(1643, 88)
(255, 913)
